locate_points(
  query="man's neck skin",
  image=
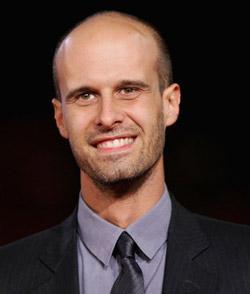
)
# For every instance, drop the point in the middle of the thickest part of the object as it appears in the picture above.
(123, 208)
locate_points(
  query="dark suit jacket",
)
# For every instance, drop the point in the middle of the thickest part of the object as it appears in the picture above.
(204, 256)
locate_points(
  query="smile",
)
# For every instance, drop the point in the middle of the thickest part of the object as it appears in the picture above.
(116, 143)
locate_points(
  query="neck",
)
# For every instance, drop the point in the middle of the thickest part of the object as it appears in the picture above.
(125, 202)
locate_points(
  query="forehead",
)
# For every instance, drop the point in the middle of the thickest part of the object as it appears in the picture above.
(106, 49)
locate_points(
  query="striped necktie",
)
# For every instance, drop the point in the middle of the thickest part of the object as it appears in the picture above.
(130, 279)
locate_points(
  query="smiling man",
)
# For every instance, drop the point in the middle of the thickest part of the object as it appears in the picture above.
(114, 113)
(115, 99)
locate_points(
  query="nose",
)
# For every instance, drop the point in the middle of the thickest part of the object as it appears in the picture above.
(109, 113)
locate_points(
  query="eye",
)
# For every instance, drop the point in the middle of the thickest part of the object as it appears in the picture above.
(85, 98)
(129, 92)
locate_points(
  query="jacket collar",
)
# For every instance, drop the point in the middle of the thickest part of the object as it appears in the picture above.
(189, 268)
(57, 269)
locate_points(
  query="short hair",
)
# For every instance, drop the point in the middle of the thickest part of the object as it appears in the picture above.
(163, 62)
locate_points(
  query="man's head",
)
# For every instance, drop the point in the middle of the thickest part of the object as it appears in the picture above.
(163, 60)
(115, 97)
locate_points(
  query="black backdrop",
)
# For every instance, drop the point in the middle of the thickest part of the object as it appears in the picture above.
(207, 151)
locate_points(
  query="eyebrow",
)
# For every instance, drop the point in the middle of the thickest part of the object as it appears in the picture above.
(78, 90)
(120, 84)
(135, 83)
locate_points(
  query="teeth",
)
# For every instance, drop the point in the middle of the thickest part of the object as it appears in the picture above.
(116, 143)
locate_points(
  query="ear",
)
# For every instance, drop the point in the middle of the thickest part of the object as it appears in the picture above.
(171, 103)
(58, 115)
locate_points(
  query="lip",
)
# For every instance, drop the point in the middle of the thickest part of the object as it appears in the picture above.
(97, 141)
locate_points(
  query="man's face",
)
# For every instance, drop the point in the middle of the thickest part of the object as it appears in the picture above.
(111, 110)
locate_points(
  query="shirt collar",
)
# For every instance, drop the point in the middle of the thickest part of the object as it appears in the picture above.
(150, 231)
(98, 235)
(95, 231)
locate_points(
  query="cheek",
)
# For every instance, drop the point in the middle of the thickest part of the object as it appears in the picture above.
(145, 115)
(76, 123)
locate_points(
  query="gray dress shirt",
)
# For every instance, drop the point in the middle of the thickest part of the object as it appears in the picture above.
(98, 268)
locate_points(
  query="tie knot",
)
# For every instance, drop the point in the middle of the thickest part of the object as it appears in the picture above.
(125, 246)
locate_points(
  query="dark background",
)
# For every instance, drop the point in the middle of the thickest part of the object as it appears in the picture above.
(207, 151)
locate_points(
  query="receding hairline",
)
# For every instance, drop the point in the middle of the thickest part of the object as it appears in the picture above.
(119, 17)
(139, 25)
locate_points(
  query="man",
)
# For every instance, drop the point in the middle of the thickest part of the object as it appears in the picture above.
(115, 98)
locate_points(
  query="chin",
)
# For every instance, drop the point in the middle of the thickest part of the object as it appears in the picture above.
(124, 181)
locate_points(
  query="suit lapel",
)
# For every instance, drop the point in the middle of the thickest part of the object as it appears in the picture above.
(58, 271)
(189, 266)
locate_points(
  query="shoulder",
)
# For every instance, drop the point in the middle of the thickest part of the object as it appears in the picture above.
(213, 246)
(227, 244)
(214, 230)
(31, 244)
(22, 258)
(220, 229)
(229, 241)
(34, 242)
